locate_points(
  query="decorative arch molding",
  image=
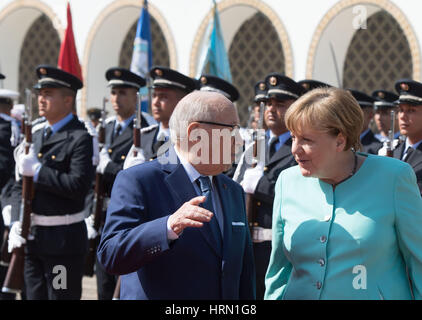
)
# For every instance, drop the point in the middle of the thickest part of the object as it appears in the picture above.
(258, 5)
(386, 5)
(19, 16)
(106, 13)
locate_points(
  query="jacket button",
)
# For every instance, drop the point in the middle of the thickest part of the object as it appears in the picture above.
(323, 239)
(258, 203)
(321, 262)
(318, 285)
(110, 150)
(123, 157)
(39, 155)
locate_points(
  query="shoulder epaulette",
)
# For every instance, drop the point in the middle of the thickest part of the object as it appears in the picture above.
(38, 125)
(109, 119)
(149, 128)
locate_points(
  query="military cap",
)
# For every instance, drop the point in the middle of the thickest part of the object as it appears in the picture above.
(168, 78)
(8, 96)
(364, 100)
(94, 113)
(52, 77)
(260, 91)
(2, 76)
(309, 85)
(216, 84)
(384, 99)
(120, 77)
(410, 92)
(281, 87)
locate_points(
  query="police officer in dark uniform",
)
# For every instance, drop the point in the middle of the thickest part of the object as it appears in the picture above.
(410, 124)
(124, 86)
(60, 162)
(370, 144)
(260, 181)
(169, 87)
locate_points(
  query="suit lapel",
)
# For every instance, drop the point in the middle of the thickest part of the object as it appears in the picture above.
(62, 134)
(181, 187)
(415, 157)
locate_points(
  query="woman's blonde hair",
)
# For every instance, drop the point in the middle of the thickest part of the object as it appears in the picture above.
(330, 110)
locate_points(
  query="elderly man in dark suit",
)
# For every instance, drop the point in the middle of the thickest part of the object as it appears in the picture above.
(410, 125)
(176, 227)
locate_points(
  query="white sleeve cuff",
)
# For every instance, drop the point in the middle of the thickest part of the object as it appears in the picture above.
(171, 235)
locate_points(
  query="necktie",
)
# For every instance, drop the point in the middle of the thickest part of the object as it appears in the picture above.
(206, 190)
(161, 139)
(271, 150)
(118, 129)
(47, 133)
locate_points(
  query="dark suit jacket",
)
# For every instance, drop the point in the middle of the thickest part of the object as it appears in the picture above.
(370, 144)
(134, 239)
(414, 159)
(118, 149)
(63, 182)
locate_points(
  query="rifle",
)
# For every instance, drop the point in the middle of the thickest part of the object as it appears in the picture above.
(98, 201)
(5, 254)
(116, 293)
(251, 208)
(13, 282)
(390, 145)
(137, 125)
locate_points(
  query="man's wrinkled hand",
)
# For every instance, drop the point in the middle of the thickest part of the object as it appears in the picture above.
(190, 214)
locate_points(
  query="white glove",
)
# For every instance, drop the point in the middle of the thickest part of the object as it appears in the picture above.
(15, 238)
(251, 178)
(28, 164)
(92, 233)
(383, 150)
(132, 160)
(104, 160)
(7, 215)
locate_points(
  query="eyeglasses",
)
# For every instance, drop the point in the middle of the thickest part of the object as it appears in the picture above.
(233, 126)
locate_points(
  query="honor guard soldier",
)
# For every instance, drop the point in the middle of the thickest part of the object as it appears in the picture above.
(60, 162)
(94, 115)
(168, 88)
(370, 144)
(384, 104)
(410, 124)
(124, 86)
(260, 181)
(260, 90)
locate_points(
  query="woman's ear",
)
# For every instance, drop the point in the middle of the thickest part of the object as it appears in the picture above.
(341, 142)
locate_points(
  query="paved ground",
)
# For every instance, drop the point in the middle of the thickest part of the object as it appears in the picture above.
(89, 288)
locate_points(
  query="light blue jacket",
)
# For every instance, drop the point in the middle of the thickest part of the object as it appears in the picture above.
(356, 242)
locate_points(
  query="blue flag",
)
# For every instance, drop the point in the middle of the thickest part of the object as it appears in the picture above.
(216, 61)
(142, 52)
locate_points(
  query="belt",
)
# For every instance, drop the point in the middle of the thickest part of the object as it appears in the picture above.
(260, 234)
(49, 221)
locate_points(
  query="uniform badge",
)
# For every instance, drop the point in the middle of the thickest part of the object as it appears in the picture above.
(43, 71)
(262, 86)
(203, 80)
(117, 73)
(158, 72)
(305, 86)
(273, 81)
(404, 86)
(381, 95)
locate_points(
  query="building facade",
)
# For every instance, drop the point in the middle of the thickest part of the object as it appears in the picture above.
(365, 45)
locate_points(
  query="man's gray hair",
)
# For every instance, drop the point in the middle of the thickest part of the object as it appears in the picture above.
(196, 106)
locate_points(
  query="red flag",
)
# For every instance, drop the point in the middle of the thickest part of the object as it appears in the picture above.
(68, 57)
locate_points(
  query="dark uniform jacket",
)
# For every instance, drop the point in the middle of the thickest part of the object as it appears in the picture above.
(118, 149)
(370, 144)
(414, 158)
(6, 152)
(63, 182)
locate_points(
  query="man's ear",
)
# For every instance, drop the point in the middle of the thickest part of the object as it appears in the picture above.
(191, 127)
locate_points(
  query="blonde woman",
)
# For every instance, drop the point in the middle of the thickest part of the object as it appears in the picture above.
(346, 225)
